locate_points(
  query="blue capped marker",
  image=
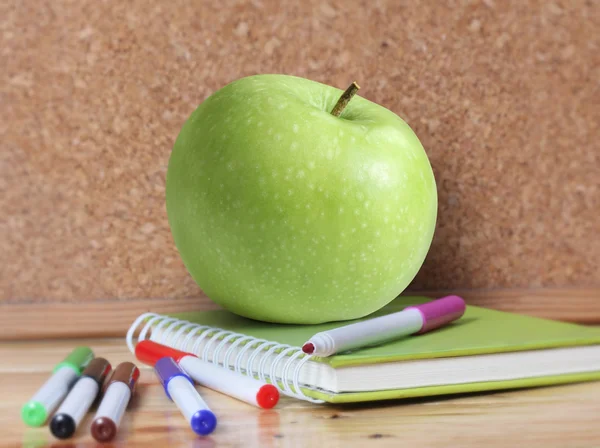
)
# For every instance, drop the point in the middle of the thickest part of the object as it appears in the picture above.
(180, 388)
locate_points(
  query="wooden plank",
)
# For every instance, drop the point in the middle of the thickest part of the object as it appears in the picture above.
(87, 319)
(113, 317)
(547, 417)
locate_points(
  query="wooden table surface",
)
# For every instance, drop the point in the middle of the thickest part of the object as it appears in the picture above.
(563, 416)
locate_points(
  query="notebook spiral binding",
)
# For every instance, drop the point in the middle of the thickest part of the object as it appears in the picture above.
(187, 336)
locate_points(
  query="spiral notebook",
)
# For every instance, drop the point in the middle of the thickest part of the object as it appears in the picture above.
(484, 350)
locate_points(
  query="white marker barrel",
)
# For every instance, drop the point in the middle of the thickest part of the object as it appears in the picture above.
(114, 403)
(179, 388)
(242, 387)
(54, 390)
(118, 393)
(414, 319)
(74, 407)
(368, 332)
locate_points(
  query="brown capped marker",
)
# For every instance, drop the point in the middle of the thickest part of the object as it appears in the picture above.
(119, 390)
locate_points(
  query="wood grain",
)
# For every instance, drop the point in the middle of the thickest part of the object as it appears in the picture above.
(113, 317)
(545, 417)
(90, 319)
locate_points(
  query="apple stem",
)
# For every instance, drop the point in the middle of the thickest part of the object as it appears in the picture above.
(344, 99)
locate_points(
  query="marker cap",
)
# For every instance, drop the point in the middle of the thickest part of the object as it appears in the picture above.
(203, 422)
(267, 396)
(127, 373)
(34, 413)
(103, 429)
(440, 312)
(166, 368)
(77, 360)
(98, 369)
(63, 426)
(150, 352)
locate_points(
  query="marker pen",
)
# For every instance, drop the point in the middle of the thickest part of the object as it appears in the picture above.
(79, 400)
(119, 390)
(242, 387)
(48, 397)
(179, 388)
(414, 319)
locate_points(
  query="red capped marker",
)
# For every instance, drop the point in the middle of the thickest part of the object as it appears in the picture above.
(228, 382)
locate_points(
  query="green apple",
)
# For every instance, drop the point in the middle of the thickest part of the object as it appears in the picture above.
(283, 212)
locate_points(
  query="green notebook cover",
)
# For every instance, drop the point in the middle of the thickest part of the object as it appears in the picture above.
(479, 331)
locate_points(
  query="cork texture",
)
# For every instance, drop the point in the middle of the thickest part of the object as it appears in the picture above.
(504, 96)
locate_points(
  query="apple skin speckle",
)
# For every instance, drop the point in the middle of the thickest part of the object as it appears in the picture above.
(283, 213)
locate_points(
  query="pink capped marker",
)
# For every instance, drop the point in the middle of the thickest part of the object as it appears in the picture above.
(236, 385)
(415, 319)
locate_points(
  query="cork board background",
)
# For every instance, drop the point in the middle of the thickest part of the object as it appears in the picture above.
(504, 96)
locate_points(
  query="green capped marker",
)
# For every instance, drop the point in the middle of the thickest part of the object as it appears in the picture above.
(46, 400)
